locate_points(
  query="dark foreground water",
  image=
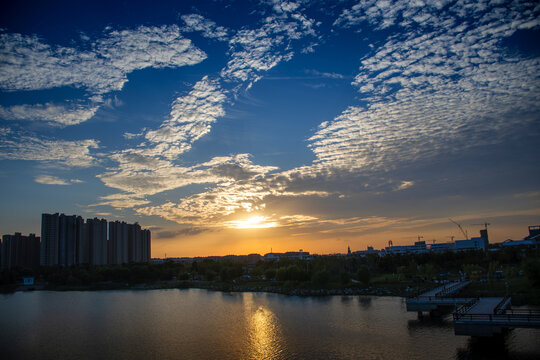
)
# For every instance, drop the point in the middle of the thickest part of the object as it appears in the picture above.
(198, 324)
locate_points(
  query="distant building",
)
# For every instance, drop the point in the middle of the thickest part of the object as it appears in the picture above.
(97, 239)
(302, 255)
(442, 247)
(475, 243)
(118, 242)
(139, 244)
(20, 251)
(369, 250)
(50, 232)
(532, 240)
(419, 247)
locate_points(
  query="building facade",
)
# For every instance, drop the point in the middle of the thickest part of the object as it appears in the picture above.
(20, 251)
(97, 240)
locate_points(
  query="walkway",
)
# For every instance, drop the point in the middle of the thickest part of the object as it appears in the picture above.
(438, 297)
(490, 316)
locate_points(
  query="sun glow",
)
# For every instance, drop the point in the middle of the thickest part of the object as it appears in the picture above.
(254, 222)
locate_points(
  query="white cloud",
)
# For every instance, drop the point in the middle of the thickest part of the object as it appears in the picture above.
(405, 184)
(258, 50)
(120, 201)
(208, 28)
(432, 92)
(232, 196)
(53, 152)
(28, 63)
(53, 113)
(190, 118)
(141, 176)
(53, 180)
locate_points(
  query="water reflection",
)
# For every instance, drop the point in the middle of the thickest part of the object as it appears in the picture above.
(265, 338)
(365, 302)
(429, 323)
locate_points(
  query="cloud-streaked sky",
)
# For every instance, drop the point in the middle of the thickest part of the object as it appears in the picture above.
(241, 126)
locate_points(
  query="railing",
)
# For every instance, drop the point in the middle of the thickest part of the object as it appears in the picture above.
(441, 299)
(442, 292)
(500, 306)
(465, 307)
(459, 285)
(507, 317)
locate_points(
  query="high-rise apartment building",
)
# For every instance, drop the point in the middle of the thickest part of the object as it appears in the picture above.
(67, 240)
(118, 242)
(50, 232)
(97, 236)
(139, 244)
(20, 251)
(128, 243)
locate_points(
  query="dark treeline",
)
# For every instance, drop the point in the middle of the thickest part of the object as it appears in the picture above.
(320, 272)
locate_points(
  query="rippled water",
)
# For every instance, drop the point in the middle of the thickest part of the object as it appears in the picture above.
(199, 324)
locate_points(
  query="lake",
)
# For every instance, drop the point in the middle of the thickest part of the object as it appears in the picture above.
(201, 324)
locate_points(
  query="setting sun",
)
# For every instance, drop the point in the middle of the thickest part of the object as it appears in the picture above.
(254, 222)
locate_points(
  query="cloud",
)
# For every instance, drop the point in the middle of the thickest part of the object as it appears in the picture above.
(52, 113)
(405, 184)
(53, 152)
(328, 75)
(28, 63)
(189, 231)
(258, 50)
(53, 180)
(119, 201)
(214, 206)
(441, 89)
(141, 176)
(190, 118)
(208, 28)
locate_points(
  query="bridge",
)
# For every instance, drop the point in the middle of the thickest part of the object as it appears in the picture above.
(440, 297)
(478, 317)
(490, 316)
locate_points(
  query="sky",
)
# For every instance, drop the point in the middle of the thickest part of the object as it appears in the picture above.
(237, 127)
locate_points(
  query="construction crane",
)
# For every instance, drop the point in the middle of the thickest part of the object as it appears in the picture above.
(464, 232)
(486, 224)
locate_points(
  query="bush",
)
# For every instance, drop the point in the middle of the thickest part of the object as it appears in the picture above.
(363, 275)
(531, 268)
(321, 277)
(291, 272)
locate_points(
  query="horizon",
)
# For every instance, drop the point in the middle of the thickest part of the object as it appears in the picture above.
(229, 128)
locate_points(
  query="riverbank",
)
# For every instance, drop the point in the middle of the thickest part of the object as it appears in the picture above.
(402, 290)
(521, 293)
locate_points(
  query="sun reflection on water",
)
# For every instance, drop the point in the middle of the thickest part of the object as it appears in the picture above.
(266, 341)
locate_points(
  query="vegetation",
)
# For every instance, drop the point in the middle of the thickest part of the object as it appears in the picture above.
(516, 271)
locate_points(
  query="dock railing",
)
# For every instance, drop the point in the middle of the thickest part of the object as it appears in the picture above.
(502, 305)
(465, 307)
(530, 316)
(449, 289)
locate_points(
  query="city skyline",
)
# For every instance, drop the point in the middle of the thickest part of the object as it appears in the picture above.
(231, 127)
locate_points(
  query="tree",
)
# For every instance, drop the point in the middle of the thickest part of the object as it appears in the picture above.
(363, 275)
(321, 277)
(531, 269)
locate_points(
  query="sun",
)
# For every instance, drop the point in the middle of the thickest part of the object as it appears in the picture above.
(254, 222)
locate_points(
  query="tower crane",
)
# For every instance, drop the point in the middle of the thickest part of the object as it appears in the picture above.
(486, 224)
(461, 229)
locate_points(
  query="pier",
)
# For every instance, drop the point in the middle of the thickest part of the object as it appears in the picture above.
(490, 316)
(438, 298)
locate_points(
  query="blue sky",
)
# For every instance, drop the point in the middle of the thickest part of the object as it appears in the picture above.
(237, 126)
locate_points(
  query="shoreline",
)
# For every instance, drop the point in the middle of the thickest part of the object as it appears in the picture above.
(275, 289)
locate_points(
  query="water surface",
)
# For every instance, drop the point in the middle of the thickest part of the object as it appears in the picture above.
(200, 324)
